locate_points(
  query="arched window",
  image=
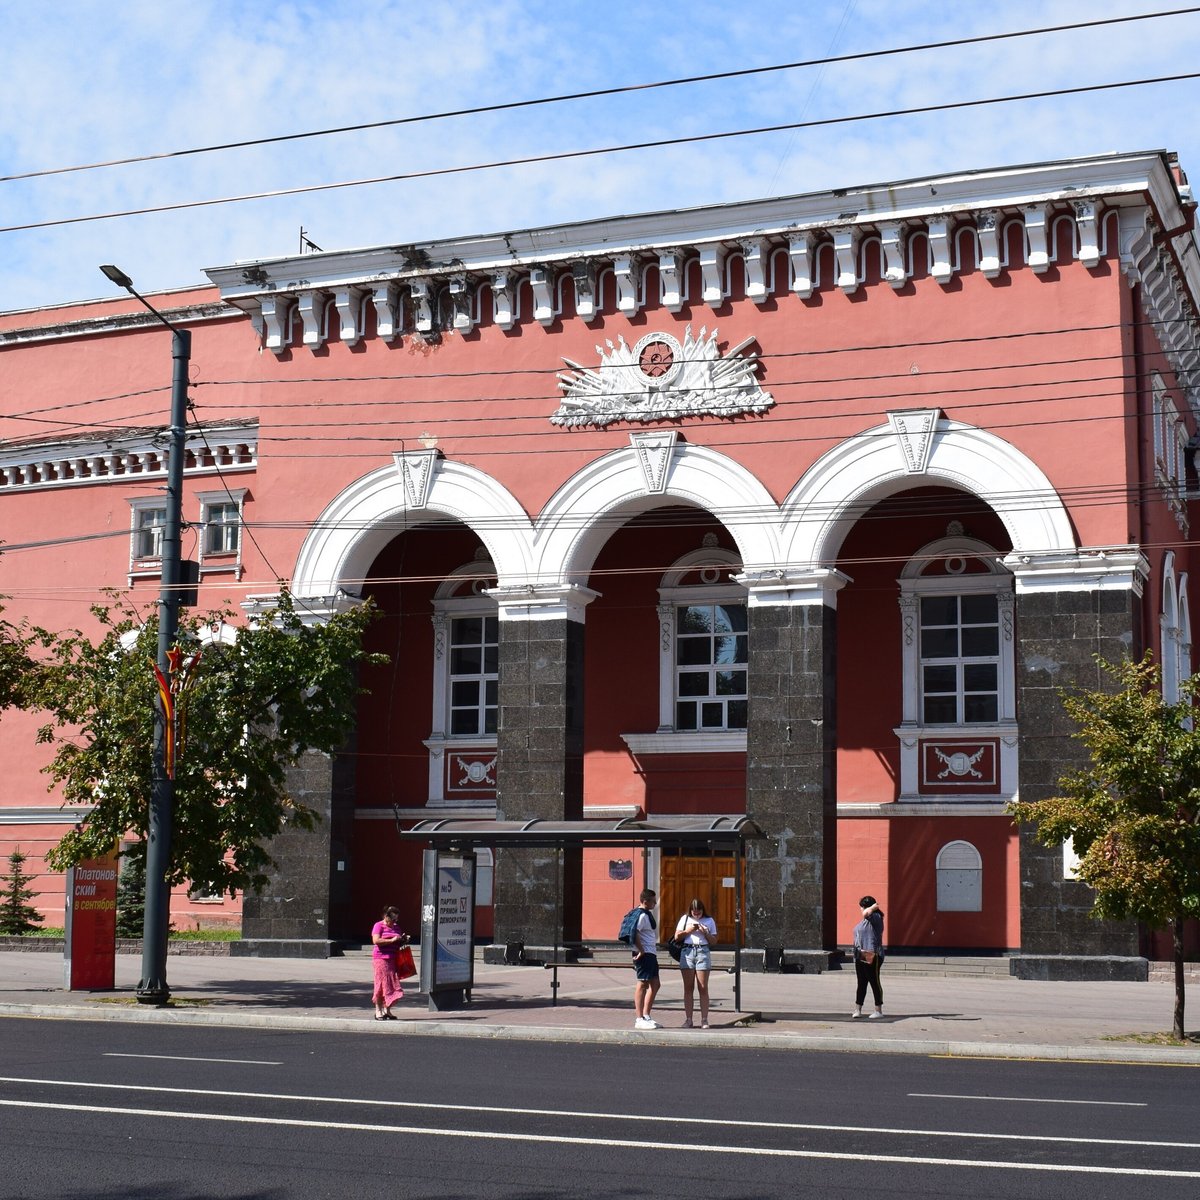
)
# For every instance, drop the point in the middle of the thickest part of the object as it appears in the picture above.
(1169, 638)
(958, 732)
(466, 672)
(959, 878)
(703, 645)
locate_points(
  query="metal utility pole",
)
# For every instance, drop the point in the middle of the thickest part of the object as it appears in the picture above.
(152, 988)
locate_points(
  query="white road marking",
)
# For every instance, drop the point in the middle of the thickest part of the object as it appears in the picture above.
(249, 1062)
(611, 1143)
(1030, 1100)
(583, 1114)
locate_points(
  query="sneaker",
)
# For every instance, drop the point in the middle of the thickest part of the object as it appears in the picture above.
(687, 1022)
(876, 1015)
(646, 1023)
(704, 1025)
(651, 1023)
(856, 1013)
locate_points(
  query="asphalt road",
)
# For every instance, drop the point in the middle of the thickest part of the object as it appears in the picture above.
(91, 1110)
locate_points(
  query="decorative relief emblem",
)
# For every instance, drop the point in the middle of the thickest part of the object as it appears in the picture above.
(656, 358)
(960, 763)
(950, 764)
(658, 378)
(474, 772)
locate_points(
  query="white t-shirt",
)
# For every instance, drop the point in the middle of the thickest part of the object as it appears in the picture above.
(696, 939)
(645, 937)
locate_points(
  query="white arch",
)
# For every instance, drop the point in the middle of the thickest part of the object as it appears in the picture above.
(571, 530)
(959, 856)
(957, 545)
(1185, 630)
(821, 509)
(360, 521)
(706, 556)
(1169, 632)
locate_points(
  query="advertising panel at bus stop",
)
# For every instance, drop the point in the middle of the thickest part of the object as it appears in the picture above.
(447, 922)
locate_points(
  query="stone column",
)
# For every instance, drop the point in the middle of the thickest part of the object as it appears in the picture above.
(302, 910)
(539, 769)
(305, 907)
(1070, 608)
(791, 740)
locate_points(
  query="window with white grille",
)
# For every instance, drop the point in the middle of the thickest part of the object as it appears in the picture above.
(149, 523)
(711, 653)
(960, 658)
(222, 528)
(474, 674)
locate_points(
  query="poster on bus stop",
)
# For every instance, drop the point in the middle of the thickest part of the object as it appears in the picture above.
(447, 924)
(90, 948)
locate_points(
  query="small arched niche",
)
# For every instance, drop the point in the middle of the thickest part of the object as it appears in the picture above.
(959, 878)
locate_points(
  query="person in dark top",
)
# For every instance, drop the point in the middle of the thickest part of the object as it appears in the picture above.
(868, 956)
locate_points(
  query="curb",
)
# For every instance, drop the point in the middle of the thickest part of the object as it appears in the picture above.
(746, 1037)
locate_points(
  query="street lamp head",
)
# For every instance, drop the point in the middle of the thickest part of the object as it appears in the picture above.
(118, 277)
(123, 281)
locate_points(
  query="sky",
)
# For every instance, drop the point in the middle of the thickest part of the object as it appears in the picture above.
(88, 82)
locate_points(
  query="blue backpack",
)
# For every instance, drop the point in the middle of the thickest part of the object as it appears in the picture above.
(629, 924)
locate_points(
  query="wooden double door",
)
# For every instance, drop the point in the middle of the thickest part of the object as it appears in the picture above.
(711, 878)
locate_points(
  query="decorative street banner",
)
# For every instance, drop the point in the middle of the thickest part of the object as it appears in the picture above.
(447, 925)
(90, 954)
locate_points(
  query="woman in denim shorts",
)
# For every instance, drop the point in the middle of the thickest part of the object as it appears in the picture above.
(698, 932)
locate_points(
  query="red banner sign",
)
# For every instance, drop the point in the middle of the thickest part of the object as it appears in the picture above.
(91, 945)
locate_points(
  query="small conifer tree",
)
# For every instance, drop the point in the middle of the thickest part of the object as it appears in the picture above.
(17, 915)
(131, 895)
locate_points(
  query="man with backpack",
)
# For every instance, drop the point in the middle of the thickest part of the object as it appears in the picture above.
(645, 961)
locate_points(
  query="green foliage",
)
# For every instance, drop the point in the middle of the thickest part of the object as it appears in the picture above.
(16, 641)
(283, 687)
(206, 935)
(131, 892)
(1134, 813)
(17, 915)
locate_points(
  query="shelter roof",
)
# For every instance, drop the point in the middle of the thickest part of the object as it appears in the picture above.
(679, 832)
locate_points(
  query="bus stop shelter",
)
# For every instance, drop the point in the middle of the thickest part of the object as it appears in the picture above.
(727, 835)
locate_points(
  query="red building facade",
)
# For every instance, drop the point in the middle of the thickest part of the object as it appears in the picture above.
(803, 508)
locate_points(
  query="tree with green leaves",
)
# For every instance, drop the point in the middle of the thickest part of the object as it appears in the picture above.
(15, 661)
(1133, 814)
(17, 915)
(249, 702)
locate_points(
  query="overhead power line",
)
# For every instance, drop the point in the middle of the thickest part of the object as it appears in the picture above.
(513, 371)
(598, 151)
(509, 423)
(598, 93)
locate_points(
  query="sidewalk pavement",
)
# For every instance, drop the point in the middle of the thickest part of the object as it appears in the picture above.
(991, 1016)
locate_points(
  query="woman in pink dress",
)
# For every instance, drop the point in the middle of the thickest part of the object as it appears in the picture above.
(387, 938)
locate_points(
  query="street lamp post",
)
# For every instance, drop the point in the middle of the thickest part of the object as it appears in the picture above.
(152, 988)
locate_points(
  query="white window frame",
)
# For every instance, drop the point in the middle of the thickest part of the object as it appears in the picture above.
(1174, 631)
(959, 662)
(913, 730)
(1170, 451)
(145, 564)
(672, 593)
(221, 561)
(463, 593)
